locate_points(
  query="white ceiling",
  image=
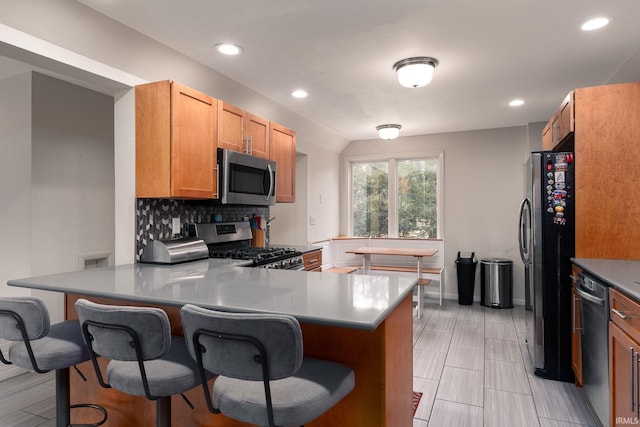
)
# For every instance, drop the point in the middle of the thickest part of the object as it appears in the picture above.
(342, 52)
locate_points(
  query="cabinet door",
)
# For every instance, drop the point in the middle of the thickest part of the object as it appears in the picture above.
(257, 132)
(231, 127)
(547, 137)
(283, 152)
(193, 143)
(312, 261)
(623, 377)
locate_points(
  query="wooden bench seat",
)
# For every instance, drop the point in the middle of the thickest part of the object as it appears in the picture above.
(341, 270)
(427, 270)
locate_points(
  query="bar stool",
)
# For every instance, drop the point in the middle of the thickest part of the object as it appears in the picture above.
(263, 377)
(145, 359)
(42, 347)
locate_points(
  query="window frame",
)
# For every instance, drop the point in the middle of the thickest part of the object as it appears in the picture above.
(393, 187)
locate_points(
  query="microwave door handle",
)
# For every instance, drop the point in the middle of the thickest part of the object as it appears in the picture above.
(270, 173)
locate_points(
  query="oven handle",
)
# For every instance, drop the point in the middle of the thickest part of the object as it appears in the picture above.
(589, 297)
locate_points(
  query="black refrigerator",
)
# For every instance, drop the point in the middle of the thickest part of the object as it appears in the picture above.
(547, 242)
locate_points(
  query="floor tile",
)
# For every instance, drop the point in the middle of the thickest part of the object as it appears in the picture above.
(420, 423)
(546, 422)
(461, 385)
(428, 388)
(506, 376)
(498, 315)
(441, 324)
(559, 401)
(500, 331)
(428, 364)
(433, 341)
(455, 414)
(469, 337)
(465, 357)
(506, 409)
(509, 351)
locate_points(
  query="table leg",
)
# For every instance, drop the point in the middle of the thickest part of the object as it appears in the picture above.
(420, 290)
(366, 263)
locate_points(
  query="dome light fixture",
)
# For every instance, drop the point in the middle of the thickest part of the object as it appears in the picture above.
(299, 93)
(228, 49)
(415, 72)
(388, 131)
(516, 103)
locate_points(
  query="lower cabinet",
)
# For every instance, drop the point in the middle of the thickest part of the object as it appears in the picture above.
(624, 360)
(576, 328)
(312, 261)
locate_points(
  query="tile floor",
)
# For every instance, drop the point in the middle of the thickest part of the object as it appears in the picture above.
(469, 363)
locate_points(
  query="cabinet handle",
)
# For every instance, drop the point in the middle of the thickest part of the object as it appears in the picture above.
(573, 277)
(573, 319)
(623, 316)
(245, 143)
(632, 383)
(635, 378)
(217, 173)
(250, 143)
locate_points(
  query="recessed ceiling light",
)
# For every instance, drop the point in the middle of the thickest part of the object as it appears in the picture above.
(299, 93)
(516, 103)
(594, 24)
(228, 49)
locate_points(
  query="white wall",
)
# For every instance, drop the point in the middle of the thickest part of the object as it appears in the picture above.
(72, 180)
(483, 187)
(15, 180)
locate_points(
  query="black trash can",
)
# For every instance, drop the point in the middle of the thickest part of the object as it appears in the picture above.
(466, 269)
(496, 283)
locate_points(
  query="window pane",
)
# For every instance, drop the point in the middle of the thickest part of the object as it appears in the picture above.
(370, 199)
(417, 198)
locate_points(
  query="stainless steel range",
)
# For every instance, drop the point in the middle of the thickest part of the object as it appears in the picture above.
(233, 240)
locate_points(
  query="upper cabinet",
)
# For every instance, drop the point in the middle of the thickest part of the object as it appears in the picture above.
(555, 135)
(175, 142)
(607, 177)
(283, 152)
(239, 130)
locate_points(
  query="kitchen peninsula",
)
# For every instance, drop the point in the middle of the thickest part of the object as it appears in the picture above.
(362, 321)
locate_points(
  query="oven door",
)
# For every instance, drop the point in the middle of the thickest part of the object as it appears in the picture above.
(245, 179)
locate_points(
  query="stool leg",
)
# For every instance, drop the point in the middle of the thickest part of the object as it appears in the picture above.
(63, 399)
(163, 412)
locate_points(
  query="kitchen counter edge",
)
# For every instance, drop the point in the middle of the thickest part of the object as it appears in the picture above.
(623, 275)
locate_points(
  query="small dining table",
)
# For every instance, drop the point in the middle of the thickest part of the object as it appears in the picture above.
(367, 251)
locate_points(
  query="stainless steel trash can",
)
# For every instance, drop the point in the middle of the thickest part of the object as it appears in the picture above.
(496, 284)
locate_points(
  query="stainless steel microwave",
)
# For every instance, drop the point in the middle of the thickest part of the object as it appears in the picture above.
(245, 179)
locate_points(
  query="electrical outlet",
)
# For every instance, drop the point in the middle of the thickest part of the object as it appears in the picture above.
(312, 220)
(175, 226)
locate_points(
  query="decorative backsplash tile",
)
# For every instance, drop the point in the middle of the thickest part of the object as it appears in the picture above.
(153, 216)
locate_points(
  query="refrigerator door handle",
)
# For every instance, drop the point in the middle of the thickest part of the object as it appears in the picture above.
(525, 247)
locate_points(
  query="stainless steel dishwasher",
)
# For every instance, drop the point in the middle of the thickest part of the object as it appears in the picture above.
(594, 313)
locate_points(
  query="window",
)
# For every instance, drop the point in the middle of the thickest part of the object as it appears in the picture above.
(395, 197)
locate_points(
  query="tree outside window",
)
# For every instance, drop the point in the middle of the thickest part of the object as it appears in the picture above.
(414, 207)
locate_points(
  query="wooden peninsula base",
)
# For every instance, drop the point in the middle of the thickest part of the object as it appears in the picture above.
(382, 360)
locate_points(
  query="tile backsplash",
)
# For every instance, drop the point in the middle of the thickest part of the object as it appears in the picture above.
(153, 216)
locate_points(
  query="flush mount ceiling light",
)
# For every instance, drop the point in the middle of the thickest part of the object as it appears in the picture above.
(415, 72)
(516, 103)
(388, 131)
(595, 24)
(228, 49)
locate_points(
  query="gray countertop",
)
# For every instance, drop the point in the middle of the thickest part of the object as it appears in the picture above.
(345, 300)
(623, 275)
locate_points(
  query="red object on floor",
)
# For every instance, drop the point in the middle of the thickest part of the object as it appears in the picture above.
(416, 400)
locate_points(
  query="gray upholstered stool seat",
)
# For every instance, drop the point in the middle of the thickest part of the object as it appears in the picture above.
(145, 359)
(263, 377)
(41, 347)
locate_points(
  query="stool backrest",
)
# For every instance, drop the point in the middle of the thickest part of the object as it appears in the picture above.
(227, 342)
(112, 328)
(31, 310)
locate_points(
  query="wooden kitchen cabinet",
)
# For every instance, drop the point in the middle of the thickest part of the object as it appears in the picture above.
(175, 142)
(283, 152)
(312, 261)
(607, 177)
(576, 328)
(624, 359)
(239, 130)
(555, 135)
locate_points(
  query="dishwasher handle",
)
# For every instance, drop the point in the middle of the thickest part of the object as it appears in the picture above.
(589, 297)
